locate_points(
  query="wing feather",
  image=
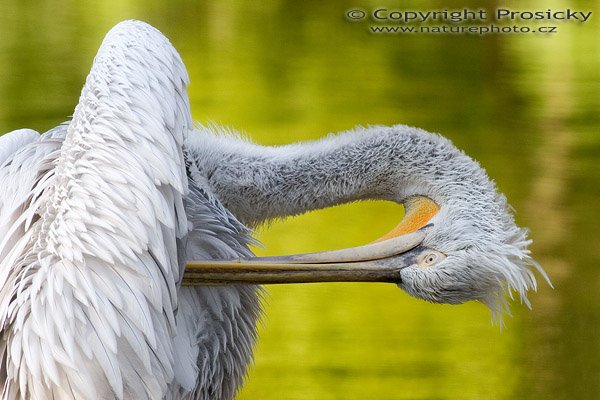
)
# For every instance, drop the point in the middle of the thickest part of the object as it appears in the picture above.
(12, 142)
(94, 236)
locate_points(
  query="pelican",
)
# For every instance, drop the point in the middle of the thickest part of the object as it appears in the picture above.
(100, 215)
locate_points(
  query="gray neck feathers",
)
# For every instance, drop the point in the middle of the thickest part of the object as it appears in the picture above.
(258, 183)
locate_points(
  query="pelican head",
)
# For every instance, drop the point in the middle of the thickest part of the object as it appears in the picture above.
(472, 248)
(457, 241)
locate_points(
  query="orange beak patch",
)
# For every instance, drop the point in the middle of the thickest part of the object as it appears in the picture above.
(419, 211)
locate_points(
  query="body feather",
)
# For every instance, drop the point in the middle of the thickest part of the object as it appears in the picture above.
(95, 233)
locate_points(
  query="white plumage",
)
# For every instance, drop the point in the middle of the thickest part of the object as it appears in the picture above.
(94, 241)
(98, 217)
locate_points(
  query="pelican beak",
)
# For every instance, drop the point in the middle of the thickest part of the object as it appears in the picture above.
(380, 261)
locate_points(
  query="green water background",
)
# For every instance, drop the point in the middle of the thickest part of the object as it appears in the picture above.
(524, 105)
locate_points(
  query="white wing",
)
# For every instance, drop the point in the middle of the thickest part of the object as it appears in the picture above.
(27, 164)
(12, 141)
(88, 293)
(26, 157)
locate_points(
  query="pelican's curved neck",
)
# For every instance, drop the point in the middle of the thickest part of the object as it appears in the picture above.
(258, 183)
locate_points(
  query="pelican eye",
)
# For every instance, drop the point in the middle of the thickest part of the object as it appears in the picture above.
(429, 258)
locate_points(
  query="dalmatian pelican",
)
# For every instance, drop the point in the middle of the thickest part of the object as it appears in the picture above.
(125, 269)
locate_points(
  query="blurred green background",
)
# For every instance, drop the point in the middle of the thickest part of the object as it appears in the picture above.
(524, 105)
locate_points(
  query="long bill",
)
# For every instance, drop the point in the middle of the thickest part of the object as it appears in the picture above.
(376, 262)
(380, 261)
